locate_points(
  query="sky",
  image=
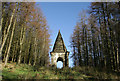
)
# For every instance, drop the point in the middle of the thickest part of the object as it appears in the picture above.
(62, 16)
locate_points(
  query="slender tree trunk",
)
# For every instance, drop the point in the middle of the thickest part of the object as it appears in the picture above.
(13, 53)
(16, 48)
(1, 24)
(1, 18)
(19, 57)
(35, 53)
(86, 48)
(100, 56)
(75, 62)
(79, 52)
(28, 62)
(5, 54)
(24, 60)
(6, 59)
(43, 50)
(117, 58)
(94, 47)
(21, 43)
(5, 30)
(1, 35)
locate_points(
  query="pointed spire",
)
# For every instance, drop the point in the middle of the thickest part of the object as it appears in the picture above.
(59, 30)
(59, 36)
(59, 45)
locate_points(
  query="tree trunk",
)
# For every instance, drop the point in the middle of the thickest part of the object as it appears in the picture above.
(28, 61)
(13, 53)
(35, 53)
(16, 48)
(21, 43)
(24, 60)
(86, 47)
(1, 36)
(117, 58)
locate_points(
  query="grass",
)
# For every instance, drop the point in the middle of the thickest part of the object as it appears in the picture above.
(23, 71)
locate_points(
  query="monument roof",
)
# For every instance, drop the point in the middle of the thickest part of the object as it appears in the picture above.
(59, 45)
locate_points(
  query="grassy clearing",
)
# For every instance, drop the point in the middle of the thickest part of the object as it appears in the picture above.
(23, 71)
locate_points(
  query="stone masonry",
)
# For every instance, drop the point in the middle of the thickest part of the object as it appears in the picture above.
(59, 52)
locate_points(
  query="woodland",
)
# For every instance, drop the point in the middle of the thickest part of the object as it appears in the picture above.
(25, 43)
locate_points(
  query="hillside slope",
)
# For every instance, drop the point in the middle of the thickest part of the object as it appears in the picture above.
(22, 71)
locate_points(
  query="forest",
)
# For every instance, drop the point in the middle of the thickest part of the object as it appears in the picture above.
(25, 34)
(25, 43)
(96, 39)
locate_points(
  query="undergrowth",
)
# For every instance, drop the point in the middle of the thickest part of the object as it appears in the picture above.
(24, 71)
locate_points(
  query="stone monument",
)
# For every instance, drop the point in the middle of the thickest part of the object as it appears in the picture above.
(59, 52)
